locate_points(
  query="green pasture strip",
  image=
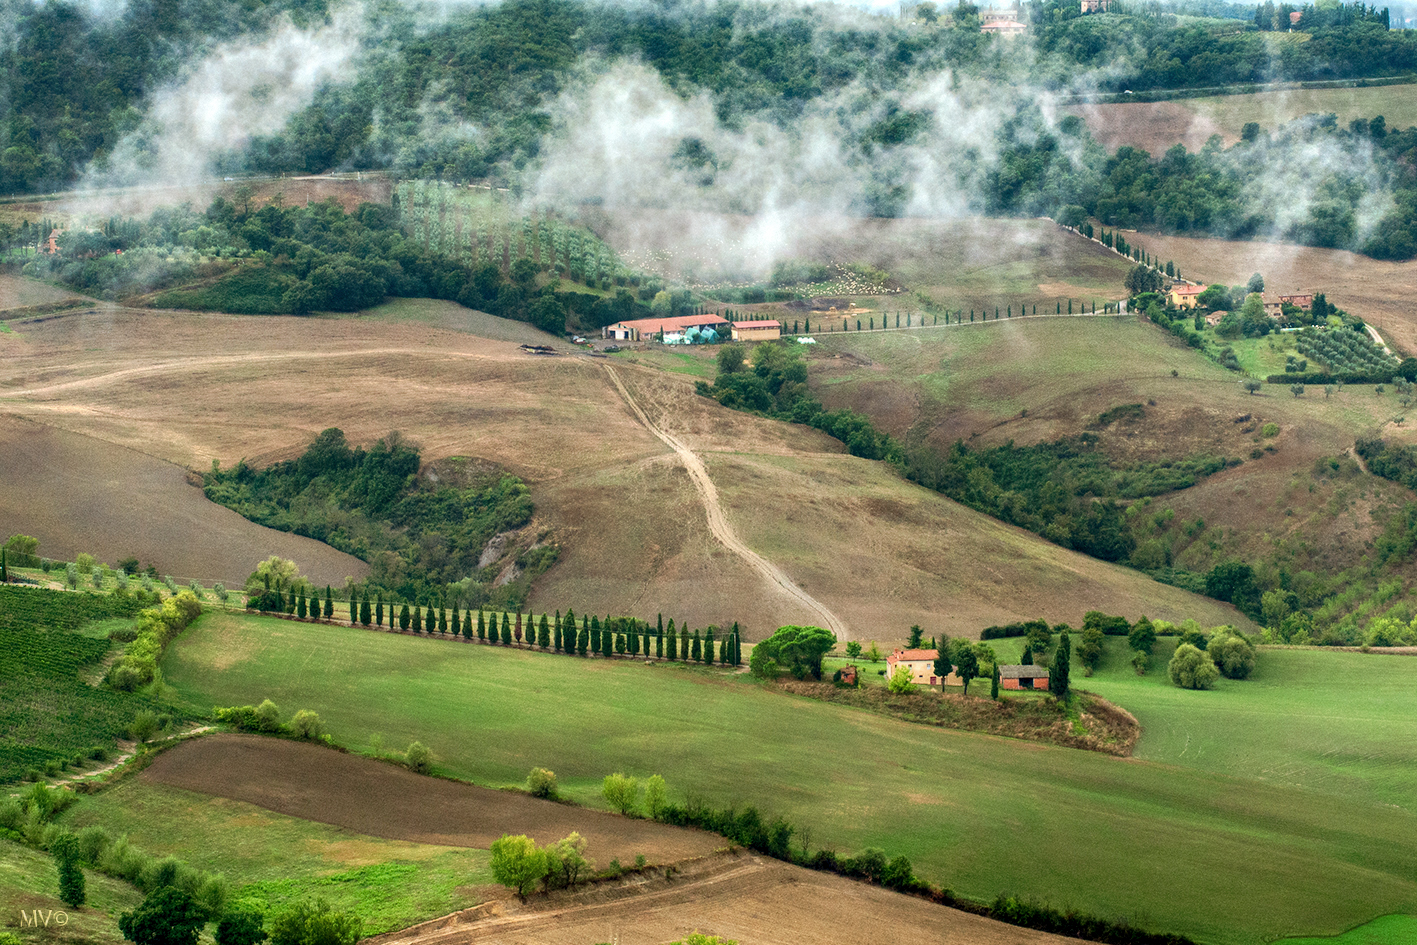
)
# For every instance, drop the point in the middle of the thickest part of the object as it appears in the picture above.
(274, 860)
(980, 814)
(1384, 930)
(29, 881)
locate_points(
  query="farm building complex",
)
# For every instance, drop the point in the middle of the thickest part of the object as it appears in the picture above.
(921, 664)
(1023, 677)
(668, 330)
(757, 331)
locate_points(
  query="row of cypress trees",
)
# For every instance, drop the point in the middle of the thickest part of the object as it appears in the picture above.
(615, 636)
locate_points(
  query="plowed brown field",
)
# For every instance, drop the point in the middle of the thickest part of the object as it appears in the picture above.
(749, 898)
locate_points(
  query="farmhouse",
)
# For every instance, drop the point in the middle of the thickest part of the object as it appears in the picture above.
(1095, 6)
(1023, 677)
(669, 330)
(1184, 296)
(1214, 318)
(920, 662)
(1304, 300)
(769, 330)
(848, 675)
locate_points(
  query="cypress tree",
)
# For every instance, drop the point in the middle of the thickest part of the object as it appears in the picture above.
(365, 616)
(481, 625)
(708, 645)
(379, 612)
(4, 568)
(329, 603)
(506, 630)
(543, 633)
(595, 635)
(72, 891)
(353, 608)
(632, 641)
(417, 618)
(467, 625)
(684, 641)
(994, 684)
(442, 620)
(457, 619)
(518, 634)
(405, 618)
(583, 642)
(607, 645)
(658, 644)
(673, 642)
(556, 633)
(301, 609)
(1062, 666)
(568, 632)
(620, 645)
(697, 655)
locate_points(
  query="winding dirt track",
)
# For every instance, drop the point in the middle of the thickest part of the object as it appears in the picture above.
(718, 521)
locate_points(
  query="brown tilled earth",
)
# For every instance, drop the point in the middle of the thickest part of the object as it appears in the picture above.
(370, 797)
(1152, 126)
(84, 494)
(749, 898)
(190, 389)
(19, 292)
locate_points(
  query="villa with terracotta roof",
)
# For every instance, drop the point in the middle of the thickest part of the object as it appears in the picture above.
(920, 662)
(1184, 296)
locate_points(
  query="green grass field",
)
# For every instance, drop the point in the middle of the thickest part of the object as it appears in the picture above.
(1256, 859)
(1384, 930)
(29, 881)
(1319, 720)
(1396, 103)
(273, 860)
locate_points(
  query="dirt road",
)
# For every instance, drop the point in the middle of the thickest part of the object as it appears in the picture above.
(719, 525)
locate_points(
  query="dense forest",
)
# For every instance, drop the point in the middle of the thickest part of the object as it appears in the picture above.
(466, 93)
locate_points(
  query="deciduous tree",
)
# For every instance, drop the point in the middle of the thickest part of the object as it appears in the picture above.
(168, 916)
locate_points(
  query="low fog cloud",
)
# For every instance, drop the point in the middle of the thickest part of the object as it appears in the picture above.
(240, 90)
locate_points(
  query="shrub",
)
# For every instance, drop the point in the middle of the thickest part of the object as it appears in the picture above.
(167, 916)
(621, 792)
(898, 874)
(541, 783)
(1231, 653)
(1141, 662)
(516, 864)
(240, 927)
(1192, 668)
(418, 758)
(315, 923)
(144, 726)
(870, 864)
(306, 724)
(902, 681)
(267, 716)
(655, 796)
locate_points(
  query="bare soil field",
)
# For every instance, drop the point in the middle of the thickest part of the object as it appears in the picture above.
(1157, 126)
(383, 800)
(1152, 126)
(746, 898)
(19, 292)
(634, 534)
(82, 494)
(1379, 292)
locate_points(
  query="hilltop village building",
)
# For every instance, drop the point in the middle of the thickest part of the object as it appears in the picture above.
(668, 330)
(1001, 23)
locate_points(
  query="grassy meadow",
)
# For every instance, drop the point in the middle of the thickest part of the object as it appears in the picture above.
(29, 882)
(1115, 837)
(273, 860)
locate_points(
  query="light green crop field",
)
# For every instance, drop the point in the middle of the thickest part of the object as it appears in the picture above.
(983, 815)
(273, 860)
(1384, 930)
(1396, 103)
(29, 882)
(1315, 719)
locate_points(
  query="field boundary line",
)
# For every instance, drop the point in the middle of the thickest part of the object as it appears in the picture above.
(718, 522)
